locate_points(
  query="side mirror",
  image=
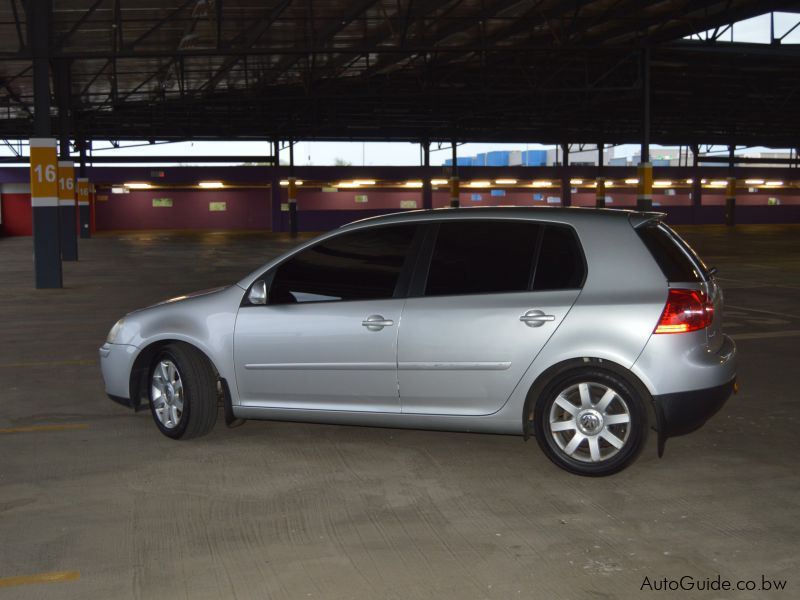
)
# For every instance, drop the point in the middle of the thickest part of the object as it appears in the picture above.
(258, 292)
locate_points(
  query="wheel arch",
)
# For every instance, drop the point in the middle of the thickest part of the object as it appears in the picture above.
(141, 368)
(577, 364)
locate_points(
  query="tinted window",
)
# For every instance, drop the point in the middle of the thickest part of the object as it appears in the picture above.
(482, 257)
(561, 263)
(671, 253)
(363, 265)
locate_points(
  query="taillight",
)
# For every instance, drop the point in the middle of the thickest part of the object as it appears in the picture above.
(686, 310)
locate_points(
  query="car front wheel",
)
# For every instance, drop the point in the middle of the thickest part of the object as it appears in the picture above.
(591, 423)
(183, 398)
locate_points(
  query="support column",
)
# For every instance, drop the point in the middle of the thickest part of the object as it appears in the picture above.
(275, 192)
(730, 202)
(566, 189)
(92, 208)
(644, 192)
(600, 190)
(697, 185)
(44, 206)
(600, 198)
(644, 197)
(292, 193)
(275, 197)
(82, 189)
(730, 190)
(67, 210)
(82, 192)
(43, 159)
(454, 182)
(427, 188)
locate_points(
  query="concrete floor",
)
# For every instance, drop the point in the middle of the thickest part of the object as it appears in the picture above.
(288, 511)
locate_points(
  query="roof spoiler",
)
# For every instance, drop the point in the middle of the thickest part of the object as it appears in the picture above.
(637, 219)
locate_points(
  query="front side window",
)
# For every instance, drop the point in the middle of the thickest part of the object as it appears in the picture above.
(482, 257)
(361, 265)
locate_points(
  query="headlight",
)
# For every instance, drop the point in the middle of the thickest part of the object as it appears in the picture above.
(112, 335)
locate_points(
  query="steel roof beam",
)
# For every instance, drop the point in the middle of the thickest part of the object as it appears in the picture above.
(330, 32)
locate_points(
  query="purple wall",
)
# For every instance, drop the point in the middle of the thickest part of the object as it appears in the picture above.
(252, 207)
(245, 209)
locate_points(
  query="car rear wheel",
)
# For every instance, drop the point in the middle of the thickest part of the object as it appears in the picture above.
(591, 422)
(183, 392)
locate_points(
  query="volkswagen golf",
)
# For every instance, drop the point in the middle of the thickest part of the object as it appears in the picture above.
(582, 328)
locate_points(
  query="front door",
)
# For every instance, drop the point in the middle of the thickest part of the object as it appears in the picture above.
(327, 339)
(319, 355)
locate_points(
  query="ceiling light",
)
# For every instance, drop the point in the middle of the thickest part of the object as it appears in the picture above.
(118, 189)
(480, 184)
(576, 181)
(438, 181)
(285, 182)
(505, 181)
(718, 183)
(541, 183)
(364, 181)
(138, 185)
(413, 184)
(347, 184)
(773, 183)
(211, 184)
(662, 183)
(632, 181)
(690, 181)
(754, 181)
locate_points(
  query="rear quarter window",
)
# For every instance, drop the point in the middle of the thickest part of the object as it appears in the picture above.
(561, 265)
(677, 260)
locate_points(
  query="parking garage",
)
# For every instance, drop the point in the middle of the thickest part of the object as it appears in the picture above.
(95, 503)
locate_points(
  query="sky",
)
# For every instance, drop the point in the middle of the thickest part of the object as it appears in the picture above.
(755, 30)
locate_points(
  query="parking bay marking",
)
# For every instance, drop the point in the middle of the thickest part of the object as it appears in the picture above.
(37, 428)
(766, 335)
(55, 577)
(49, 363)
(766, 312)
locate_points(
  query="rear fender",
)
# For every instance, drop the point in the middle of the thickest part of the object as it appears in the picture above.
(547, 376)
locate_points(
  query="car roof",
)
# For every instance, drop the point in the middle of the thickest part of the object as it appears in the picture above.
(539, 213)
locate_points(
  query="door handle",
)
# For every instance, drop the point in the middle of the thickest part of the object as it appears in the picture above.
(376, 322)
(536, 318)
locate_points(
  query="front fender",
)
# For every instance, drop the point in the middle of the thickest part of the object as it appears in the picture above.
(205, 322)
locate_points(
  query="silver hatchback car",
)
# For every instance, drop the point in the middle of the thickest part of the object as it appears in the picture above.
(584, 328)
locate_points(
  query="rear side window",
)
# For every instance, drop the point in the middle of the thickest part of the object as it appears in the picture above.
(362, 265)
(482, 257)
(491, 257)
(561, 265)
(676, 259)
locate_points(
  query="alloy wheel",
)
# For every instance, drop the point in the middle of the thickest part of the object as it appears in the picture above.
(590, 422)
(167, 393)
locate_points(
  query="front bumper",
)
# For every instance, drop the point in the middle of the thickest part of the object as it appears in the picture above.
(116, 362)
(683, 412)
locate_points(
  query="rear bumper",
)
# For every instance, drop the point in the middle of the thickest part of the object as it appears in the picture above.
(683, 412)
(673, 364)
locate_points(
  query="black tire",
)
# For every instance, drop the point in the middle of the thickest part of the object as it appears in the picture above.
(625, 403)
(199, 396)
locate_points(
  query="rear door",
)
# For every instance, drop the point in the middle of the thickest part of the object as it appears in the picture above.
(494, 294)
